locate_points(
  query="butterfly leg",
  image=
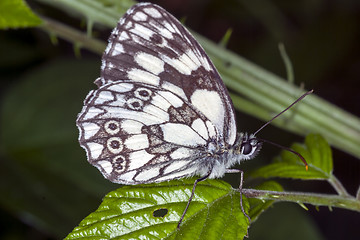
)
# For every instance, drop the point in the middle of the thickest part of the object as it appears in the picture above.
(191, 196)
(240, 189)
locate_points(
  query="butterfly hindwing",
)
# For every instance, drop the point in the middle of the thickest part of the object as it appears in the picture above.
(136, 133)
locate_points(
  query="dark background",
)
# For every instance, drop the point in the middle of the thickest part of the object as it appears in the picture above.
(47, 186)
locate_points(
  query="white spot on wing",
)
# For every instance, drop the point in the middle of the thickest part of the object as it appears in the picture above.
(127, 176)
(210, 104)
(120, 101)
(106, 166)
(169, 27)
(175, 89)
(191, 59)
(181, 153)
(138, 159)
(92, 112)
(118, 49)
(204, 61)
(174, 100)
(137, 142)
(155, 111)
(90, 129)
(95, 149)
(131, 126)
(199, 126)
(176, 165)
(142, 31)
(160, 102)
(104, 96)
(138, 75)
(140, 16)
(120, 87)
(149, 62)
(177, 64)
(147, 174)
(124, 36)
(211, 129)
(181, 134)
(128, 25)
(153, 12)
(165, 33)
(185, 64)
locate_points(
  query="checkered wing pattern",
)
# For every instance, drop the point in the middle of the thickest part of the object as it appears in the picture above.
(161, 110)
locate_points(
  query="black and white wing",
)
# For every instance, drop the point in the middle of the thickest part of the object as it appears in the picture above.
(161, 106)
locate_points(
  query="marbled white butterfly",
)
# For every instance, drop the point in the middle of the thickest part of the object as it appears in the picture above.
(161, 110)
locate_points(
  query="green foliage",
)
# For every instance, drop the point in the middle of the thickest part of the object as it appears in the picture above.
(16, 14)
(47, 180)
(48, 186)
(128, 213)
(316, 152)
(226, 38)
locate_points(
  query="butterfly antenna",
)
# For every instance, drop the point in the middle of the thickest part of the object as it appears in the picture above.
(277, 145)
(287, 149)
(296, 101)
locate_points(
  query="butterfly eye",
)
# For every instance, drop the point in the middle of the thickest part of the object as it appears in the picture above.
(246, 148)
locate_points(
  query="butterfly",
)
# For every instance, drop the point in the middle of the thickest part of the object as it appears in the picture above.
(161, 110)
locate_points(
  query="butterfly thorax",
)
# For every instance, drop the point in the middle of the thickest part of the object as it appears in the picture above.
(221, 158)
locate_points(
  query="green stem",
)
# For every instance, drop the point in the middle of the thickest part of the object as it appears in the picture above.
(336, 184)
(328, 200)
(72, 35)
(287, 62)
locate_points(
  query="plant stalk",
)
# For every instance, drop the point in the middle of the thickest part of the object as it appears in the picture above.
(329, 200)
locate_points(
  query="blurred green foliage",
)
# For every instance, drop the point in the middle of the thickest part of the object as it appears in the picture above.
(47, 187)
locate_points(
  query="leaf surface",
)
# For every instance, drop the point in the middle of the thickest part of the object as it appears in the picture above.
(316, 152)
(128, 213)
(16, 14)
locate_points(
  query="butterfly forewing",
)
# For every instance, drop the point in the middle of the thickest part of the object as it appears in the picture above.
(151, 46)
(161, 106)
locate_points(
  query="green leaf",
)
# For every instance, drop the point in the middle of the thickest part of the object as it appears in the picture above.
(258, 206)
(316, 152)
(128, 213)
(16, 14)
